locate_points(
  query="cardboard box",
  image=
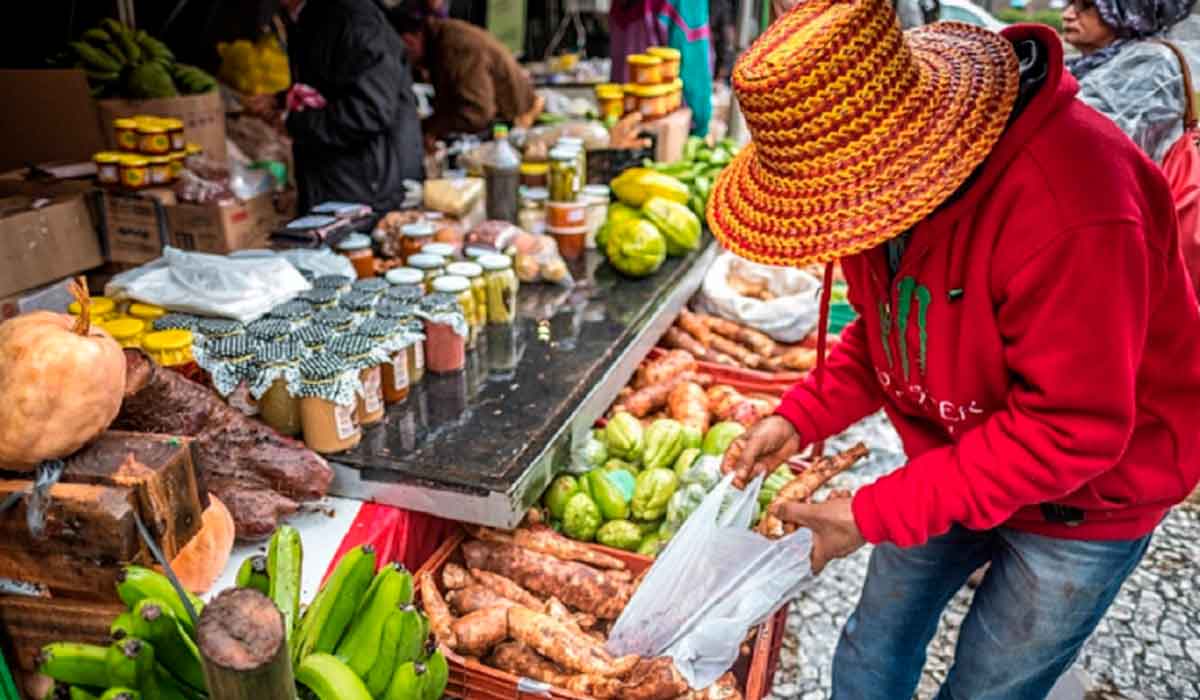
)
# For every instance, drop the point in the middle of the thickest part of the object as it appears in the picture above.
(46, 243)
(51, 117)
(224, 228)
(134, 227)
(203, 118)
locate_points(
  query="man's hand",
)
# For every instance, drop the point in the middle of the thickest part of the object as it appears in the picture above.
(772, 441)
(835, 534)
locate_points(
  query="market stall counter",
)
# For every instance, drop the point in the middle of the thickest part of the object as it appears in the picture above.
(481, 445)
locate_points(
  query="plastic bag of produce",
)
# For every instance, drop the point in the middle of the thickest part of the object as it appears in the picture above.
(781, 302)
(714, 581)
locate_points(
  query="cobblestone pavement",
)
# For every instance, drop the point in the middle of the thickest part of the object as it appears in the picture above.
(1146, 648)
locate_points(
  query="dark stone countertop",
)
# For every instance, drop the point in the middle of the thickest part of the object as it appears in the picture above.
(478, 431)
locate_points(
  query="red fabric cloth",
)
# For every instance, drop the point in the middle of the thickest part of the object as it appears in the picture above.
(397, 535)
(301, 97)
(1042, 345)
(1181, 165)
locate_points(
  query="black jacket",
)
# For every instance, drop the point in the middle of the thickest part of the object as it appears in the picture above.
(367, 139)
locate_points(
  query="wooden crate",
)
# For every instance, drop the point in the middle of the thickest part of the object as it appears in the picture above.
(31, 623)
(472, 680)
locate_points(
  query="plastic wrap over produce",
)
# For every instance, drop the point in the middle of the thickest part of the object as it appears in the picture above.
(782, 302)
(715, 581)
(241, 288)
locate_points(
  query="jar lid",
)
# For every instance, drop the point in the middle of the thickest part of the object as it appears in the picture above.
(395, 309)
(107, 157)
(405, 294)
(609, 90)
(570, 141)
(404, 276)
(534, 168)
(314, 335)
(334, 318)
(358, 302)
(318, 296)
(159, 160)
(653, 90)
(417, 229)
(332, 282)
(597, 192)
(424, 261)
(125, 123)
(152, 128)
(433, 216)
(378, 328)
(641, 59)
(100, 306)
(293, 310)
(269, 329)
(219, 327)
(495, 262)
(165, 341)
(355, 241)
(283, 353)
(666, 53)
(322, 366)
(463, 269)
(370, 285)
(194, 149)
(536, 194)
(676, 84)
(234, 347)
(350, 345)
(146, 311)
(451, 284)
(560, 153)
(175, 322)
(444, 250)
(134, 161)
(474, 252)
(172, 123)
(124, 328)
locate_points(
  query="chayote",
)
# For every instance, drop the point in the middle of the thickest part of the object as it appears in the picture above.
(679, 226)
(581, 518)
(652, 493)
(705, 473)
(624, 435)
(652, 544)
(685, 461)
(662, 444)
(720, 436)
(620, 534)
(636, 249)
(692, 437)
(560, 491)
(608, 496)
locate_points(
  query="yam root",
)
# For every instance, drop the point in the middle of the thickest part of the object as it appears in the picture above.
(465, 601)
(557, 642)
(680, 339)
(744, 356)
(806, 484)
(555, 609)
(695, 326)
(760, 343)
(518, 659)
(455, 577)
(547, 541)
(655, 679)
(649, 399)
(507, 588)
(665, 368)
(440, 620)
(688, 404)
(798, 359)
(478, 632)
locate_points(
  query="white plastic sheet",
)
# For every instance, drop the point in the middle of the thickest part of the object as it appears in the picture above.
(715, 581)
(211, 285)
(790, 317)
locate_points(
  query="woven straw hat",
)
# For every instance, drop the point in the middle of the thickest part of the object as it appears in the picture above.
(859, 129)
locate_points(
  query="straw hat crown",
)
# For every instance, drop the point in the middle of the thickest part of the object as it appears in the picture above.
(859, 130)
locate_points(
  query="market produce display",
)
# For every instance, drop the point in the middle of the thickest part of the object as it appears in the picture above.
(805, 484)
(255, 68)
(724, 342)
(122, 62)
(698, 169)
(648, 222)
(537, 605)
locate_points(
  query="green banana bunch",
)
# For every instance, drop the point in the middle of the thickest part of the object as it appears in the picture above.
(253, 574)
(437, 674)
(136, 583)
(407, 682)
(330, 612)
(93, 58)
(121, 694)
(173, 648)
(77, 664)
(192, 79)
(130, 663)
(153, 49)
(380, 674)
(361, 645)
(285, 556)
(331, 679)
(414, 632)
(127, 625)
(62, 691)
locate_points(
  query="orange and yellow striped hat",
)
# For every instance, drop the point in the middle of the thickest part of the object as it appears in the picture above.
(860, 130)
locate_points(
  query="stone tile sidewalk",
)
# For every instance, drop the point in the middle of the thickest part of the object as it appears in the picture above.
(1146, 648)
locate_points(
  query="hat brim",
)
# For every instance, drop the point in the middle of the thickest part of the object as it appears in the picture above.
(902, 163)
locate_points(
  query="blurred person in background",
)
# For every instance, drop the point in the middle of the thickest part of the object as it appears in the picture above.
(722, 20)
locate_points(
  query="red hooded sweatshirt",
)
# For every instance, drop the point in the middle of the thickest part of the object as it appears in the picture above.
(1038, 349)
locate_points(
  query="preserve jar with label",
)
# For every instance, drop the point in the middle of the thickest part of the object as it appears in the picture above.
(269, 330)
(296, 312)
(229, 362)
(501, 288)
(460, 289)
(125, 130)
(153, 139)
(338, 283)
(645, 69)
(612, 101)
(414, 330)
(276, 374)
(134, 171)
(413, 237)
(670, 61)
(172, 349)
(328, 398)
(563, 175)
(108, 168)
(407, 284)
(357, 248)
(212, 329)
(431, 267)
(365, 357)
(577, 146)
(374, 286)
(160, 171)
(314, 337)
(177, 164)
(338, 320)
(173, 321)
(474, 274)
(596, 198)
(446, 332)
(319, 299)
(128, 332)
(389, 334)
(175, 132)
(361, 304)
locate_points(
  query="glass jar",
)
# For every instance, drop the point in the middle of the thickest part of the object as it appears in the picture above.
(108, 168)
(212, 329)
(375, 286)
(562, 175)
(363, 356)
(177, 164)
(172, 349)
(146, 312)
(229, 362)
(319, 299)
(361, 304)
(653, 101)
(596, 198)
(535, 174)
(276, 371)
(171, 322)
(415, 329)
(431, 267)
(501, 288)
(575, 144)
(269, 330)
(125, 130)
(128, 332)
(192, 151)
(175, 132)
(460, 289)
(475, 252)
(444, 251)
(134, 171)
(408, 284)
(675, 97)
(645, 69)
(357, 247)
(338, 283)
(670, 62)
(532, 216)
(101, 309)
(296, 312)
(314, 337)
(387, 334)
(473, 272)
(338, 320)
(414, 236)
(327, 404)
(160, 171)
(446, 332)
(153, 139)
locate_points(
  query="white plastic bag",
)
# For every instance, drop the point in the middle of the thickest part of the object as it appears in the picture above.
(211, 285)
(715, 580)
(789, 317)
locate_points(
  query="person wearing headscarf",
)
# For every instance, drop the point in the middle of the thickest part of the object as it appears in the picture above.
(1125, 73)
(1024, 318)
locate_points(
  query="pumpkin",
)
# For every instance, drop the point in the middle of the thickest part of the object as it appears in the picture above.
(200, 563)
(61, 384)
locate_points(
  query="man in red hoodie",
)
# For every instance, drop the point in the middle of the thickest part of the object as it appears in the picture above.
(1026, 321)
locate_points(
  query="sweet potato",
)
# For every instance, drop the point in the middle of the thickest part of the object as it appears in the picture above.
(695, 326)
(806, 484)
(665, 368)
(688, 404)
(478, 632)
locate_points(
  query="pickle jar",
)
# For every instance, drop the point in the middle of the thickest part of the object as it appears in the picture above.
(365, 357)
(474, 274)
(443, 250)
(361, 304)
(128, 332)
(320, 299)
(576, 146)
(212, 329)
(269, 330)
(407, 284)
(229, 362)
(276, 373)
(375, 286)
(501, 288)
(388, 334)
(446, 330)
(328, 400)
(413, 237)
(460, 289)
(296, 312)
(338, 283)
(357, 248)
(314, 337)
(338, 320)
(431, 267)
(563, 176)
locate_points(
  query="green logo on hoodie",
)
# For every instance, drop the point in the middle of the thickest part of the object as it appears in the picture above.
(908, 290)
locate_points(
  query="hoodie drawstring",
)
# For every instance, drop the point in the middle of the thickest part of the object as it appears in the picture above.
(818, 449)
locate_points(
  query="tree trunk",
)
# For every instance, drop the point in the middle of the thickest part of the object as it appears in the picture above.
(244, 648)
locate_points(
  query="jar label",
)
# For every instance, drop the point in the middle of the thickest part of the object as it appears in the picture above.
(372, 391)
(343, 420)
(419, 357)
(399, 372)
(240, 399)
(127, 139)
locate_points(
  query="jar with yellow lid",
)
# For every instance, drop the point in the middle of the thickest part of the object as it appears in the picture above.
(169, 348)
(535, 174)
(670, 61)
(146, 312)
(645, 69)
(654, 101)
(676, 95)
(125, 130)
(175, 131)
(177, 163)
(127, 332)
(103, 309)
(630, 98)
(193, 150)
(153, 139)
(134, 171)
(612, 101)
(160, 170)
(108, 168)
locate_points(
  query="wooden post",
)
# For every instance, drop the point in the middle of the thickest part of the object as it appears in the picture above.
(244, 649)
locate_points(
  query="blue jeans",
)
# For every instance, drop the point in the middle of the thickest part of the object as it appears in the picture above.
(1039, 602)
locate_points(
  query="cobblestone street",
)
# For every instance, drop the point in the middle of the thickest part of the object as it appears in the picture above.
(1146, 648)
